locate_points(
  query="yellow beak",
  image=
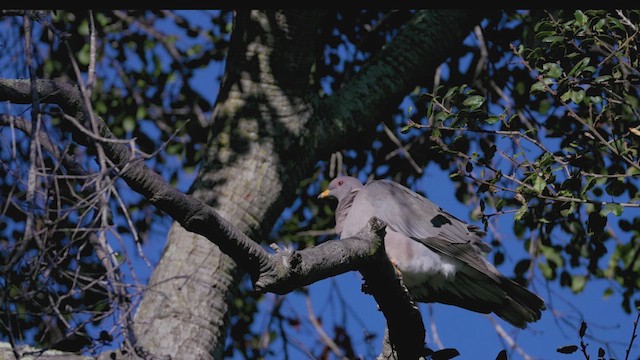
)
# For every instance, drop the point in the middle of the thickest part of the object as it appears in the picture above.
(324, 194)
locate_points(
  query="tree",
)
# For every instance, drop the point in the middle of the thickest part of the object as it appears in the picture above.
(101, 99)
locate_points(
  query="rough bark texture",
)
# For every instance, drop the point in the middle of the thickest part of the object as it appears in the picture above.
(268, 133)
(254, 123)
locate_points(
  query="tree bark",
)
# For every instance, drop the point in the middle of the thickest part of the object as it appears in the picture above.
(255, 122)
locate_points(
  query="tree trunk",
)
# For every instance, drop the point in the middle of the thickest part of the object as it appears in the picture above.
(184, 311)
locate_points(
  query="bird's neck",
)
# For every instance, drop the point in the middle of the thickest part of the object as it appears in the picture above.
(343, 209)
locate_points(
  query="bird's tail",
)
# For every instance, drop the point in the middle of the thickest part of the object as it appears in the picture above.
(485, 294)
(521, 306)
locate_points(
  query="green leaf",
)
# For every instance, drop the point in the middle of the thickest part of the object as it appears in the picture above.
(616, 209)
(83, 55)
(603, 78)
(577, 69)
(553, 39)
(546, 270)
(577, 96)
(129, 123)
(552, 255)
(520, 213)
(570, 210)
(141, 112)
(590, 183)
(616, 23)
(83, 28)
(492, 119)
(473, 102)
(540, 85)
(578, 282)
(539, 184)
(581, 18)
(553, 70)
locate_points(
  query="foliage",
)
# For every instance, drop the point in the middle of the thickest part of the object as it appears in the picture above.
(557, 146)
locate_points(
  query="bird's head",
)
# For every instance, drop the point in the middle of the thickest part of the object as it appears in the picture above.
(340, 187)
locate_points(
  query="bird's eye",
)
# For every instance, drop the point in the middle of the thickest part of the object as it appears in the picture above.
(340, 183)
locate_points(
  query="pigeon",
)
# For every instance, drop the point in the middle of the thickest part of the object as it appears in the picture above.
(441, 259)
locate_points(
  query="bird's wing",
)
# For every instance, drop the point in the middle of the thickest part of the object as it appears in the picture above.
(413, 215)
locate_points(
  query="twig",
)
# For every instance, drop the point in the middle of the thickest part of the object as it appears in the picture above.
(34, 144)
(633, 336)
(401, 148)
(508, 339)
(91, 72)
(323, 335)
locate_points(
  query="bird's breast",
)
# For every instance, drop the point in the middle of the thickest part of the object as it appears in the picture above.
(417, 263)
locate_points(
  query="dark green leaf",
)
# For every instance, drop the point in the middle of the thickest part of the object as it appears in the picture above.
(522, 266)
(583, 329)
(575, 71)
(569, 349)
(445, 354)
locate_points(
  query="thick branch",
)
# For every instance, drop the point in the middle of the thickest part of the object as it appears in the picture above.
(408, 60)
(281, 272)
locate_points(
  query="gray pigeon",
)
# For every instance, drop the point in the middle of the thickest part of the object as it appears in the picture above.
(441, 258)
